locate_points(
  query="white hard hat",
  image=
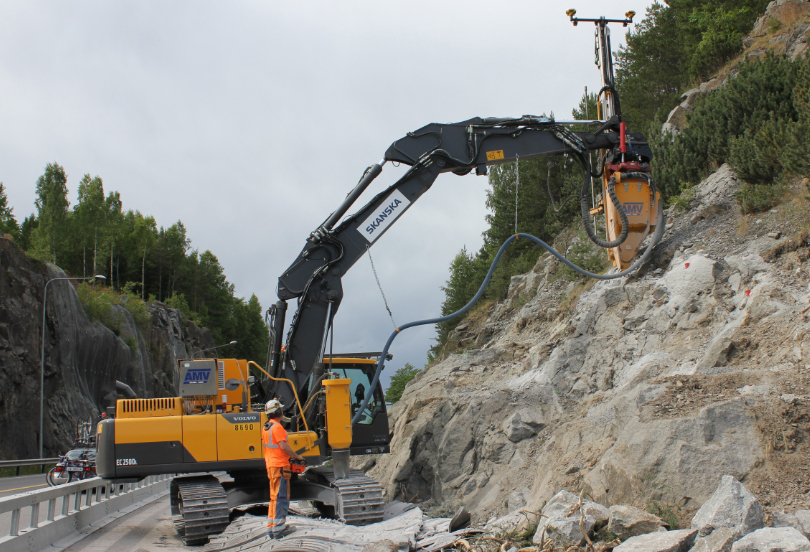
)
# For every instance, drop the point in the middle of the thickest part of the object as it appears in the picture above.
(273, 404)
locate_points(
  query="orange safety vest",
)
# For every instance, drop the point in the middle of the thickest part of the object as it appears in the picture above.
(274, 457)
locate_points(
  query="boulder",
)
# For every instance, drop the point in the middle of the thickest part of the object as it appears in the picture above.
(772, 539)
(732, 506)
(697, 451)
(666, 541)
(561, 521)
(720, 540)
(720, 187)
(599, 513)
(627, 521)
(799, 519)
(747, 264)
(522, 424)
(690, 277)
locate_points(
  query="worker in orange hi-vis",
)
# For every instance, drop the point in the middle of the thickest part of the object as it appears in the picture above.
(277, 454)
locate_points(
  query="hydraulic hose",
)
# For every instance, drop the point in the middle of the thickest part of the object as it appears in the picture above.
(656, 237)
(586, 213)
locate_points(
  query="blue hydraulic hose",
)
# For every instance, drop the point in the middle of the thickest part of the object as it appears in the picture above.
(657, 235)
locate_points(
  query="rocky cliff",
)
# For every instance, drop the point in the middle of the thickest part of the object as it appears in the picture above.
(643, 391)
(83, 359)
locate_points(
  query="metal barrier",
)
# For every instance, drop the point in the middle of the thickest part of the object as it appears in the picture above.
(30, 462)
(82, 503)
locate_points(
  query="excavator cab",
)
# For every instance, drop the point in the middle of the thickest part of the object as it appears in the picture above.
(370, 435)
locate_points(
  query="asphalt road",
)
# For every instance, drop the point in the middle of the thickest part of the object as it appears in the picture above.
(24, 483)
(145, 529)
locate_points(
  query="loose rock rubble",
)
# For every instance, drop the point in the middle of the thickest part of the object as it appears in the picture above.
(404, 528)
(731, 520)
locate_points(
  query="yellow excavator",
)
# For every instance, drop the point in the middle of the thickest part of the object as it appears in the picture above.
(215, 426)
(335, 403)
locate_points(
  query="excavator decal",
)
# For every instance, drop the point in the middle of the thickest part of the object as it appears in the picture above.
(377, 223)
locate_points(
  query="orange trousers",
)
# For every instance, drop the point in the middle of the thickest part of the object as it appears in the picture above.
(279, 499)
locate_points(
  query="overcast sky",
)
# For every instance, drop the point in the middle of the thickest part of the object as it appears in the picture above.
(250, 121)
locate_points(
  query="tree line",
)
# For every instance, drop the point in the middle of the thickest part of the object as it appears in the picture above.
(97, 236)
(674, 47)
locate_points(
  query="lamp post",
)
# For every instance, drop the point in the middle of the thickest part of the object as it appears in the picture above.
(42, 368)
(212, 348)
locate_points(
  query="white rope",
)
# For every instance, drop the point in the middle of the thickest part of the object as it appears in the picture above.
(374, 270)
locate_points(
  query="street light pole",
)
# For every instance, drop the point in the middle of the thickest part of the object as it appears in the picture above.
(42, 358)
(212, 348)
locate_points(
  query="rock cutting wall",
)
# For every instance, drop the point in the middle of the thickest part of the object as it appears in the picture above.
(642, 390)
(83, 359)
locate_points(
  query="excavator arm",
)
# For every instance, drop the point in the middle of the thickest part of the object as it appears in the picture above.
(315, 276)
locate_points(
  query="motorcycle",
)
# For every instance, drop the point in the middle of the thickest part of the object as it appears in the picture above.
(76, 465)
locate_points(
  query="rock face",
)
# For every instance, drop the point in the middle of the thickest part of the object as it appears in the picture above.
(644, 391)
(83, 359)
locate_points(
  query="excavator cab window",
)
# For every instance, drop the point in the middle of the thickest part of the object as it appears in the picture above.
(361, 381)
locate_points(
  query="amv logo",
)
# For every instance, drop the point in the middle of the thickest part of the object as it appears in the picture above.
(197, 376)
(633, 209)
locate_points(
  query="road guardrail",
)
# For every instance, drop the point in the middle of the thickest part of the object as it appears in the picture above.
(80, 504)
(29, 462)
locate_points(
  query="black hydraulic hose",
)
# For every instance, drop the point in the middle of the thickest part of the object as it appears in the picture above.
(612, 90)
(656, 237)
(586, 213)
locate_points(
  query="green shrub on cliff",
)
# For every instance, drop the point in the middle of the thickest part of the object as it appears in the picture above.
(757, 123)
(98, 305)
(129, 300)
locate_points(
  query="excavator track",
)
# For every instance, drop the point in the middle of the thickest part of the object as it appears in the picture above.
(199, 507)
(359, 498)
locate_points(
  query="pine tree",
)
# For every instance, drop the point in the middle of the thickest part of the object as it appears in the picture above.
(50, 236)
(90, 214)
(675, 45)
(8, 224)
(401, 378)
(145, 237)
